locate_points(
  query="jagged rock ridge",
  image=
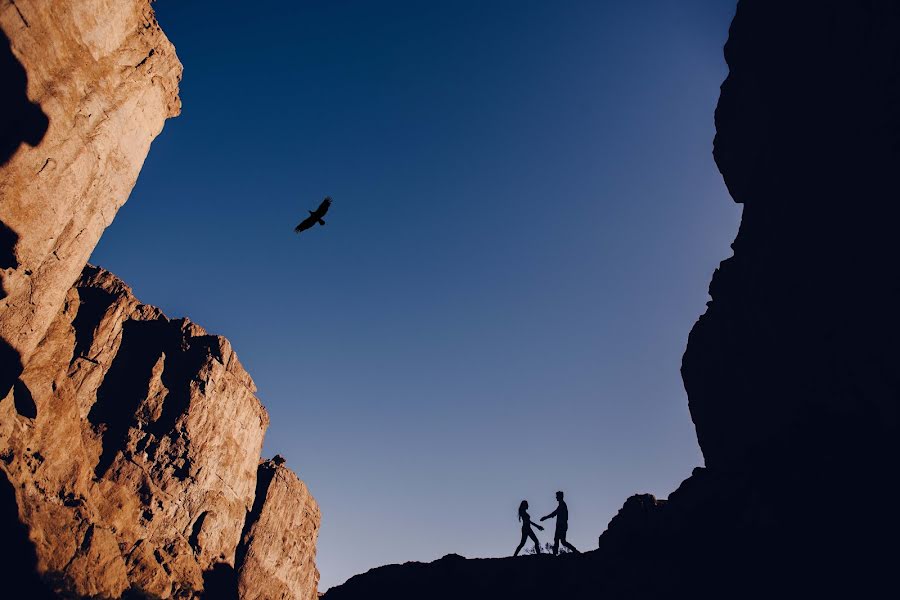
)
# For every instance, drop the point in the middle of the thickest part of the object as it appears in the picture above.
(277, 552)
(135, 466)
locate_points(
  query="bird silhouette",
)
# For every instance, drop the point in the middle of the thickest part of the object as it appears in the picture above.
(315, 216)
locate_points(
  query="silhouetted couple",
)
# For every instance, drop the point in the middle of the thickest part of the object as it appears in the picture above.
(562, 526)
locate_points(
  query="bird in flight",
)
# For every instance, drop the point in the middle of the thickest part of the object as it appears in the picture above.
(315, 216)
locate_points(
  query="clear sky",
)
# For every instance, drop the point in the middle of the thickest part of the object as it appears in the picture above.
(526, 218)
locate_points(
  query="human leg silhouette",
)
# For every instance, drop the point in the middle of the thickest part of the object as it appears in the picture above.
(569, 546)
(560, 538)
(522, 543)
(537, 544)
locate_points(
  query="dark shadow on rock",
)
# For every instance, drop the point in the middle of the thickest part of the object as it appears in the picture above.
(93, 304)
(18, 577)
(220, 583)
(196, 528)
(24, 401)
(20, 119)
(125, 385)
(138, 594)
(10, 361)
(265, 473)
(8, 240)
(10, 368)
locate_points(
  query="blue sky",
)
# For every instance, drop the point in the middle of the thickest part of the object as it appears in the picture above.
(526, 218)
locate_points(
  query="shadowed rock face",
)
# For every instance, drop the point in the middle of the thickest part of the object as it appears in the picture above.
(792, 372)
(453, 577)
(798, 347)
(138, 467)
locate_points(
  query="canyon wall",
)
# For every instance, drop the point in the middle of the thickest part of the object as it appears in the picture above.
(129, 442)
(797, 351)
(92, 82)
(132, 444)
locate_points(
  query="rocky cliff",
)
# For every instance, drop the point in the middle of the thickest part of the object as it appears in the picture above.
(792, 372)
(132, 444)
(277, 552)
(129, 442)
(91, 83)
(796, 351)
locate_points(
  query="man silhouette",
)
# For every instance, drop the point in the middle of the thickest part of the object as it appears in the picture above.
(562, 525)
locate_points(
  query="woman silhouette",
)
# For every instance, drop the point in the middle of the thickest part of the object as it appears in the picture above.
(527, 532)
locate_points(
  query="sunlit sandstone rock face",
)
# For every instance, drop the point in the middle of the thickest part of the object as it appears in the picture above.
(133, 443)
(278, 548)
(129, 443)
(89, 84)
(137, 448)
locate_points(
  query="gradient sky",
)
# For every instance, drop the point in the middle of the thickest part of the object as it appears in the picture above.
(526, 218)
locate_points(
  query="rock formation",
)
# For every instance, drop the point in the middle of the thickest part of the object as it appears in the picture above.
(92, 81)
(135, 462)
(792, 372)
(278, 547)
(796, 349)
(453, 577)
(129, 442)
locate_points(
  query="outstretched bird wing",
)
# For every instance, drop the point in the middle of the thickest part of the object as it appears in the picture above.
(323, 208)
(306, 223)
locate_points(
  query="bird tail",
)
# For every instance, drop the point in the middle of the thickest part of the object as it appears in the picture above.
(321, 221)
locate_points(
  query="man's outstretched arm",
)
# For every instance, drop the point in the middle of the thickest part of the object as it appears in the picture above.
(551, 515)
